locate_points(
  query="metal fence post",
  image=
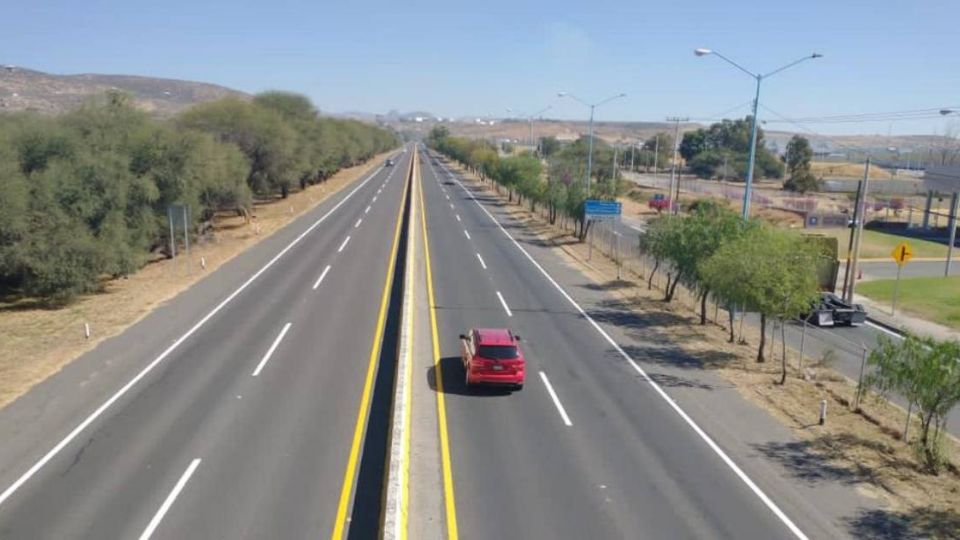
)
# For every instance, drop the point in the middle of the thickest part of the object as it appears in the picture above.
(863, 362)
(803, 336)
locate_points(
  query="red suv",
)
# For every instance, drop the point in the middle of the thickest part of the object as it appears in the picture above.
(492, 356)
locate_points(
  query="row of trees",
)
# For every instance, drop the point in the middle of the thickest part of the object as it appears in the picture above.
(560, 187)
(85, 195)
(723, 150)
(748, 266)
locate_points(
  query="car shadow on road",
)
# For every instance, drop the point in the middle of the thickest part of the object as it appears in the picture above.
(453, 381)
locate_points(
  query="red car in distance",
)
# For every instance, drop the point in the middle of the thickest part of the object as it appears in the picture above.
(492, 356)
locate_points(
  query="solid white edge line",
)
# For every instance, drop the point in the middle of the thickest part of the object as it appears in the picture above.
(556, 400)
(483, 264)
(504, 303)
(168, 502)
(322, 275)
(146, 370)
(272, 348)
(884, 330)
(467, 234)
(693, 425)
(357, 224)
(344, 244)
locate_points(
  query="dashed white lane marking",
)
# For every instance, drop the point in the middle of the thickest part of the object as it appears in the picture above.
(467, 234)
(322, 275)
(504, 303)
(556, 400)
(367, 210)
(343, 245)
(272, 348)
(458, 217)
(357, 224)
(483, 264)
(168, 502)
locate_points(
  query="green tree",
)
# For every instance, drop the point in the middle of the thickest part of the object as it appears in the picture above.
(549, 146)
(927, 373)
(766, 270)
(799, 176)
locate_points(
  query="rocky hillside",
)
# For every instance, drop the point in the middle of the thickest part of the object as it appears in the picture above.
(25, 89)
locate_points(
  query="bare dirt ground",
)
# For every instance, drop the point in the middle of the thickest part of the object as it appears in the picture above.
(38, 342)
(862, 448)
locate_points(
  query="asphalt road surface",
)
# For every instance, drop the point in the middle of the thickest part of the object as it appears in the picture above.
(242, 424)
(587, 449)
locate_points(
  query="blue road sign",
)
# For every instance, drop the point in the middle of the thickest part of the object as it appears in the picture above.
(601, 209)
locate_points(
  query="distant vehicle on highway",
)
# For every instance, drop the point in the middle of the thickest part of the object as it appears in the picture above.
(389, 163)
(492, 356)
(831, 310)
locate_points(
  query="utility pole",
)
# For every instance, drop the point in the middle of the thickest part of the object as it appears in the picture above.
(633, 149)
(656, 154)
(674, 184)
(859, 239)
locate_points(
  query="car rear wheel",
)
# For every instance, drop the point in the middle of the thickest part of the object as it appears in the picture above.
(466, 378)
(518, 387)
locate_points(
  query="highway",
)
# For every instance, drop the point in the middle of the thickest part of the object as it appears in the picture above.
(234, 411)
(252, 405)
(590, 448)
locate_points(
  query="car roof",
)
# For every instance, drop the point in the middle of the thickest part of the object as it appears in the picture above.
(494, 336)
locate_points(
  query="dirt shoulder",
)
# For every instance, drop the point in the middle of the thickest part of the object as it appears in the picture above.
(862, 448)
(38, 342)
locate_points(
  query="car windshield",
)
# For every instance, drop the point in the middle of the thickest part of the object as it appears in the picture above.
(498, 352)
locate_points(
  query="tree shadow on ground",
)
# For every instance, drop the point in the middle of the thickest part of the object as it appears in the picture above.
(612, 285)
(916, 523)
(828, 458)
(624, 318)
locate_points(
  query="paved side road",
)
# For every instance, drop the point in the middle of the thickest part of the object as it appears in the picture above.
(590, 448)
(227, 413)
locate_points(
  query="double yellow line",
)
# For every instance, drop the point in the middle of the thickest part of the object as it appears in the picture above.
(350, 472)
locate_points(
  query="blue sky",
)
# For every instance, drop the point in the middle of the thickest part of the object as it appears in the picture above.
(479, 58)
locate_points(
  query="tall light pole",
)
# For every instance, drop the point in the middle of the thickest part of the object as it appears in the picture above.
(529, 118)
(592, 107)
(753, 124)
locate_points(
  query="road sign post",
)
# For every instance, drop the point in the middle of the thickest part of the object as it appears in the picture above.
(901, 255)
(595, 211)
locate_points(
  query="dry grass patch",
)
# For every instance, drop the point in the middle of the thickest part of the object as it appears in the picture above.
(38, 342)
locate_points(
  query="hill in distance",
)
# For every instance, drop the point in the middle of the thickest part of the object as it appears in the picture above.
(24, 89)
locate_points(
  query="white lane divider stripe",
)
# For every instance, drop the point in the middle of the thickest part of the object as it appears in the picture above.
(504, 303)
(343, 245)
(168, 502)
(7, 493)
(357, 224)
(556, 400)
(483, 264)
(767, 501)
(467, 234)
(451, 206)
(322, 275)
(272, 348)
(367, 210)
(458, 217)
(374, 199)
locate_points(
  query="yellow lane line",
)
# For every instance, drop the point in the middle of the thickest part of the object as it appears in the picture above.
(349, 475)
(448, 499)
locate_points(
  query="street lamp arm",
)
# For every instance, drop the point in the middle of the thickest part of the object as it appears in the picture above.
(573, 97)
(736, 65)
(609, 99)
(791, 64)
